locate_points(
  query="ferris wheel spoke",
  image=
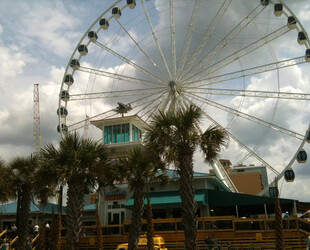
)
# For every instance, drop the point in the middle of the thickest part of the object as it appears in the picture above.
(128, 61)
(248, 72)
(188, 37)
(172, 31)
(118, 76)
(146, 102)
(208, 33)
(145, 111)
(113, 94)
(141, 49)
(156, 39)
(237, 140)
(225, 41)
(81, 124)
(241, 53)
(252, 93)
(249, 117)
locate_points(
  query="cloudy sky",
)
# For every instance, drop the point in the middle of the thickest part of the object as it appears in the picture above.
(37, 39)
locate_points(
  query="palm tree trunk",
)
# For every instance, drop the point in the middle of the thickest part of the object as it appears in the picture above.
(98, 229)
(137, 211)
(74, 213)
(189, 205)
(279, 226)
(150, 225)
(42, 240)
(23, 217)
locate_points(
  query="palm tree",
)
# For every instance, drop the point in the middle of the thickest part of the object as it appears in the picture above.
(6, 179)
(79, 163)
(27, 184)
(175, 136)
(138, 167)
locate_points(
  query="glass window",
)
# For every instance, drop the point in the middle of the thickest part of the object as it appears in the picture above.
(116, 133)
(107, 134)
(136, 133)
(125, 132)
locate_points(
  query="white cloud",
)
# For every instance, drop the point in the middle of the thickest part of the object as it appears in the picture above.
(37, 39)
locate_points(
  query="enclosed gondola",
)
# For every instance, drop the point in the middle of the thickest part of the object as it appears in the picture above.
(65, 96)
(302, 156)
(69, 80)
(308, 137)
(75, 64)
(264, 2)
(62, 112)
(131, 4)
(278, 9)
(273, 192)
(302, 39)
(92, 35)
(104, 24)
(83, 49)
(64, 128)
(307, 55)
(291, 22)
(289, 175)
(116, 12)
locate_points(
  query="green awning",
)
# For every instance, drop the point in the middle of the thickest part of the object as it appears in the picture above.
(222, 199)
(169, 199)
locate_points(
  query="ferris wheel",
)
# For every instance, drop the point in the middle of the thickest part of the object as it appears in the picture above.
(241, 61)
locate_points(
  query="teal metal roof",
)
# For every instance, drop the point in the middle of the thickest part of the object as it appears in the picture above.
(169, 199)
(174, 175)
(212, 198)
(90, 207)
(10, 208)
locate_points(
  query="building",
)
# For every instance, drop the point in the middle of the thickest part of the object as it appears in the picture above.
(249, 179)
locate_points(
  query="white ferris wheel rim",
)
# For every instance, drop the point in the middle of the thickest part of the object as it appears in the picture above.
(172, 71)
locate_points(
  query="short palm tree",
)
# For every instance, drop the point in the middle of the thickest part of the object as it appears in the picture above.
(138, 167)
(175, 136)
(6, 179)
(79, 163)
(27, 184)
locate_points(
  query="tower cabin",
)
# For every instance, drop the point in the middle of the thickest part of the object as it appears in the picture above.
(121, 133)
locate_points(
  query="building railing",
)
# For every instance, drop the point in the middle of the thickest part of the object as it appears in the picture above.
(227, 231)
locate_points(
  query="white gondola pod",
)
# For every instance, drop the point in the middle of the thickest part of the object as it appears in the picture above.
(69, 80)
(302, 156)
(92, 35)
(75, 64)
(301, 38)
(273, 192)
(131, 4)
(264, 2)
(64, 128)
(278, 9)
(116, 12)
(64, 95)
(104, 24)
(291, 22)
(289, 175)
(83, 49)
(307, 57)
(62, 112)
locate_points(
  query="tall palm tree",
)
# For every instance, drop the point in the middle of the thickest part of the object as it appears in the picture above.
(6, 179)
(175, 136)
(138, 167)
(27, 184)
(79, 163)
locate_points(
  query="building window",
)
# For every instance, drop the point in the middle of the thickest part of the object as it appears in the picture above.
(116, 133)
(136, 133)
